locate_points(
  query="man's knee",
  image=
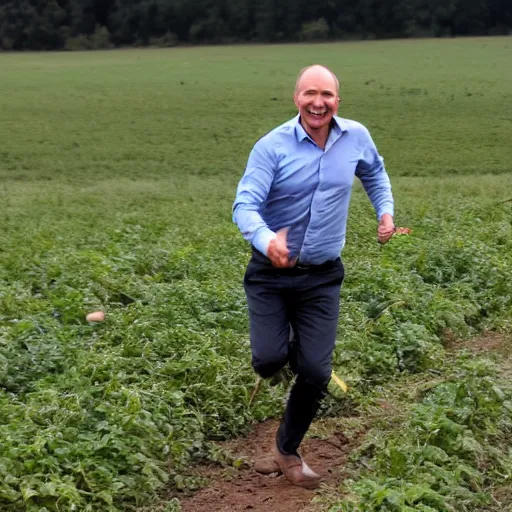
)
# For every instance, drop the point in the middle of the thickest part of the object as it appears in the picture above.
(269, 345)
(315, 373)
(267, 366)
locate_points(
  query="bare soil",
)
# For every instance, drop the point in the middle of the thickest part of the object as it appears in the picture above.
(243, 489)
(488, 342)
(246, 490)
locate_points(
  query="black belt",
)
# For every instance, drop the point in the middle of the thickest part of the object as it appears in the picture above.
(302, 266)
(260, 257)
(321, 266)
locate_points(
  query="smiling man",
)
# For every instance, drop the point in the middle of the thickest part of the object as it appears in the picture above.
(317, 98)
(292, 206)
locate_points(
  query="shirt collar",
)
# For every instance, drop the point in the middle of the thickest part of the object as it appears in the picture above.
(338, 124)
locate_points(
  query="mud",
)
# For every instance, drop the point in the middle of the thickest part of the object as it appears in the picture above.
(246, 490)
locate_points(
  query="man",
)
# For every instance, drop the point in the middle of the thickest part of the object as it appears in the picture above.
(292, 205)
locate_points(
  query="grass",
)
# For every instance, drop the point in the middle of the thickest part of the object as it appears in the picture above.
(117, 174)
(145, 112)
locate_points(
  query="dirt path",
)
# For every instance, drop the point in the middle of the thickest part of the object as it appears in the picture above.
(237, 490)
(247, 490)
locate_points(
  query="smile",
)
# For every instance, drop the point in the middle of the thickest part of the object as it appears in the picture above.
(317, 112)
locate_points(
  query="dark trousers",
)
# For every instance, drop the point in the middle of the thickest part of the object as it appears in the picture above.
(307, 300)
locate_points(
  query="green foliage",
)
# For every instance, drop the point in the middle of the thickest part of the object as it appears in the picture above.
(70, 24)
(116, 193)
(167, 40)
(454, 444)
(99, 40)
(317, 30)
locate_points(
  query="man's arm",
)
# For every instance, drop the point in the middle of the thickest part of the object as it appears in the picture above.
(372, 173)
(251, 194)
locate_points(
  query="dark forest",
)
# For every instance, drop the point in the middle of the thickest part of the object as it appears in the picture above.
(96, 24)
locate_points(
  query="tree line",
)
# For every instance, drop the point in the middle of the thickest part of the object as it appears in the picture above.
(95, 24)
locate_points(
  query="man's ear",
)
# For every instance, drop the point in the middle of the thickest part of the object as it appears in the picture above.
(338, 106)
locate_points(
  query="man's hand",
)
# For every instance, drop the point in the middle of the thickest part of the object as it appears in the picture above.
(386, 228)
(278, 252)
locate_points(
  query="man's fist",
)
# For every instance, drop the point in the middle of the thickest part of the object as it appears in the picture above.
(386, 228)
(278, 251)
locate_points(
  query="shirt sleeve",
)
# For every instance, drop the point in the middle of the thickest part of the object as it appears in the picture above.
(372, 173)
(251, 195)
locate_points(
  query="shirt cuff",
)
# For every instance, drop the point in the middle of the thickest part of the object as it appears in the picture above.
(387, 209)
(262, 238)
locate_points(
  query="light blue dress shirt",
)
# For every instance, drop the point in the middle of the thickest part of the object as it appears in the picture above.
(290, 182)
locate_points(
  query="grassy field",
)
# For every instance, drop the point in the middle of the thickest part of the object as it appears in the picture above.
(117, 174)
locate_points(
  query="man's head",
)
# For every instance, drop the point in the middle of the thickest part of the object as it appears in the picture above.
(317, 97)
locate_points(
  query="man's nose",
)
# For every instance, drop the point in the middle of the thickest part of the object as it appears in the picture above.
(318, 101)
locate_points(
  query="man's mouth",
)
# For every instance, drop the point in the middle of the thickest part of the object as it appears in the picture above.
(317, 113)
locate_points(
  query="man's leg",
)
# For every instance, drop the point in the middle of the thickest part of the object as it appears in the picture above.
(268, 318)
(315, 321)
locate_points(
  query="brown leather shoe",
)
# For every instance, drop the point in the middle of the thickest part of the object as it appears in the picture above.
(296, 471)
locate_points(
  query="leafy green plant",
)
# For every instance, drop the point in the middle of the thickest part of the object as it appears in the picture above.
(116, 195)
(443, 459)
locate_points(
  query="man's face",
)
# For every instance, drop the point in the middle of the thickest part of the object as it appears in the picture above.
(317, 99)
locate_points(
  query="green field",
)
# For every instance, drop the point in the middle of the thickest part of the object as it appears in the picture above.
(117, 174)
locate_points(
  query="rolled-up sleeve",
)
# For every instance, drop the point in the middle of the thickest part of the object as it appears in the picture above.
(251, 195)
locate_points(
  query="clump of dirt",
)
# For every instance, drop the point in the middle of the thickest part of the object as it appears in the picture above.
(491, 342)
(247, 490)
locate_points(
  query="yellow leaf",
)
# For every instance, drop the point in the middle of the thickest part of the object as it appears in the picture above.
(340, 383)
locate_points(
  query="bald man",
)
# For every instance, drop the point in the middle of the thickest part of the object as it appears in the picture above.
(292, 205)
